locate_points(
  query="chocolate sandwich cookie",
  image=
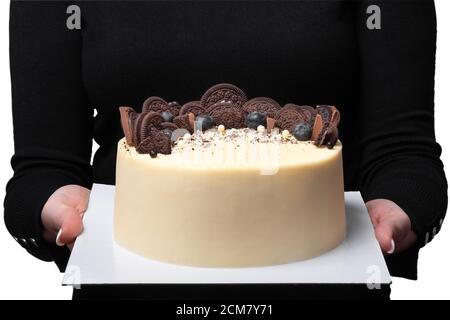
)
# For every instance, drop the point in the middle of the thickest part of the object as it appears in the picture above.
(169, 125)
(194, 107)
(151, 120)
(184, 122)
(223, 92)
(262, 104)
(288, 116)
(228, 115)
(156, 142)
(309, 113)
(127, 114)
(155, 104)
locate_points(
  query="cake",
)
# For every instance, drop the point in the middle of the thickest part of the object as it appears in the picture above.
(229, 182)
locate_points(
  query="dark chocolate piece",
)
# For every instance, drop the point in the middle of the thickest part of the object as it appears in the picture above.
(126, 119)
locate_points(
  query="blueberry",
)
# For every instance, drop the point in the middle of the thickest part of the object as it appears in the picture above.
(168, 133)
(168, 117)
(255, 119)
(204, 122)
(174, 104)
(302, 131)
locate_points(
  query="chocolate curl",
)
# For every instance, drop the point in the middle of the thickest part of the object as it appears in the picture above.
(125, 121)
(270, 124)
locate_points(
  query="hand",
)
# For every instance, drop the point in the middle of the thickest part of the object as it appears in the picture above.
(392, 226)
(63, 213)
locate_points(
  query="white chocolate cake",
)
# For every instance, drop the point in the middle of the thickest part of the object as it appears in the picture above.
(228, 197)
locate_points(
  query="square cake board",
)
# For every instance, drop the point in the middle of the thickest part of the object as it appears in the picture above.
(97, 265)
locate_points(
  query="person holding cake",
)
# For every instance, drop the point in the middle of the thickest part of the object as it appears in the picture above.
(381, 81)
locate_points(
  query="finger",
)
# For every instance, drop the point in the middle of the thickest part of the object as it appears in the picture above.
(373, 212)
(384, 234)
(71, 227)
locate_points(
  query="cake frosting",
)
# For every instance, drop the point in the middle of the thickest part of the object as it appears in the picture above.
(229, 196)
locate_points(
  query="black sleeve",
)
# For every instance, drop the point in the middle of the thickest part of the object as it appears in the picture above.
(52, 119)
(400, 156)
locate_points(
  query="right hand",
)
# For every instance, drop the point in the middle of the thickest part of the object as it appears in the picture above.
(62, 214)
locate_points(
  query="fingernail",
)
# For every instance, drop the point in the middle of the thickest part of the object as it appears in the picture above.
(392, 247)
(58, 242)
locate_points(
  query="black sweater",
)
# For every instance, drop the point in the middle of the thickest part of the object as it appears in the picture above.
(307, 52)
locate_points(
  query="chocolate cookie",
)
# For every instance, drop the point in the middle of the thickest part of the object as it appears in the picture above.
(155, 104)
(156, 142)
(184, 122)
(288, 116)
(223, 92)
(126, 119)
(169, 125)
(151, 120)
(262, 104)
(194, 107)
(227, 114)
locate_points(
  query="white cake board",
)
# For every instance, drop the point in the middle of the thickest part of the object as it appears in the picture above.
(96, 259)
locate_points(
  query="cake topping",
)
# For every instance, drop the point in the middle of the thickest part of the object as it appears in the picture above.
(168, 116)
(221, 128)
(126, 122)
(169, 125)
(226, 105)
(288, 116)
(204, 122)
(155, 104)
(325, 126)
(302, 131)
(270, 124)
(194, 107)
(174, 108)
(228, 114)
(261, 129)
(223, 92)
(262, 104)
(255, 119)
(183, 122)
(155, 142)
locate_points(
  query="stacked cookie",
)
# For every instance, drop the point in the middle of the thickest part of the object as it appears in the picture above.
(224, 105)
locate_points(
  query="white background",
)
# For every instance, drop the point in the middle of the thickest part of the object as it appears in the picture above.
(24, 277)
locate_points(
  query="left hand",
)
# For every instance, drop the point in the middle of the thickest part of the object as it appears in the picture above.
(392, 226)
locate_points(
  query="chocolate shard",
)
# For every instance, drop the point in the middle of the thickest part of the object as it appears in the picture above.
(270, 124)
(126, 119)
(317, 128)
